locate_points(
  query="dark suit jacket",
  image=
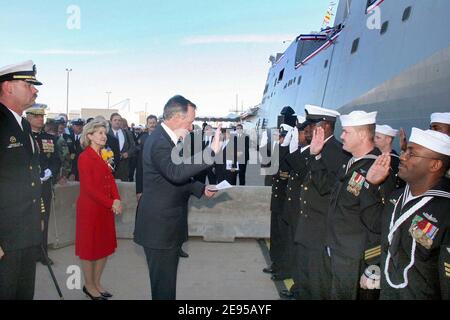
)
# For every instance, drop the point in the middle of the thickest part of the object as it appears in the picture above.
(139, 168)
(129, 146)
(242, 144)
(161, 219)
(77, 151)
(20, 186)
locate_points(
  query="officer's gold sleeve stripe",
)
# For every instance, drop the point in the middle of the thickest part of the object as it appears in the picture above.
(372, 252)
(447, 269)
(446, 264)
(373, 256)
(373, 249)
(447, 274)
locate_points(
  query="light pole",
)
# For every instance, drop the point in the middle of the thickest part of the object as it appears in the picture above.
(68, 70)
(108, 93)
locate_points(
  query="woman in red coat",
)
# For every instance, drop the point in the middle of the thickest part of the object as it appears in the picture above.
(98, 201)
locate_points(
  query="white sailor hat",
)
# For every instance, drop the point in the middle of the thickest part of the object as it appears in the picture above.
(320, 114)
(301, 119)
(25, 71)
(358, 118)
(386, 130)
(37, 109)
(432, 140)
(440, 117)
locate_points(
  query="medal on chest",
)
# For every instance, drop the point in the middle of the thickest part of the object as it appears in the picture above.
(355, 184)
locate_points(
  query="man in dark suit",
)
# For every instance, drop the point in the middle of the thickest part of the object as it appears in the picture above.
(20, 186)
(122, 144)
(207, 136)
(242, 146)
(75, 136)
(161, 219)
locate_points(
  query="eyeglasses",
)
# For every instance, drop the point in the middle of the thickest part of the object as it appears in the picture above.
(408, 155)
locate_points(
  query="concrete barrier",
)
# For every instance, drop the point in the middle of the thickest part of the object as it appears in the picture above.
(240, 212)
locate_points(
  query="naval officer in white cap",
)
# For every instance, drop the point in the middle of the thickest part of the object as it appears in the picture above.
(355, 209)
(20, 212)
(324, 162)
(416, 231)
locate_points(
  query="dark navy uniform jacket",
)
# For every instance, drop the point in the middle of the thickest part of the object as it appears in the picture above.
(429, 275)
(20, 185)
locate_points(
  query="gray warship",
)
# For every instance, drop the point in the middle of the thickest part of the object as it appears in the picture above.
(390, 56)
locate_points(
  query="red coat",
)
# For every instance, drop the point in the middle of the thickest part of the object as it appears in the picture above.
(95, 227)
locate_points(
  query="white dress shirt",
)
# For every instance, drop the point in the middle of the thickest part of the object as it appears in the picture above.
(119, 133)
(171, 134)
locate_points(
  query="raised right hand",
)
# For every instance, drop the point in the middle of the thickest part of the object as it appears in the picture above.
(216, 144)
(379, 170)
(318, 141)
(1, 253)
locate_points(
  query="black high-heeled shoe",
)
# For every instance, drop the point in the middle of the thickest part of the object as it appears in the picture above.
(91, 296)
(106, 294)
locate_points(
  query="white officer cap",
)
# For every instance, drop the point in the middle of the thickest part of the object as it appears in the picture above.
(320, 114)
(301, 119)
(37, 109)
(432, 140)
(25, 71)
(386, 130)
(359, 118)
(440, 117)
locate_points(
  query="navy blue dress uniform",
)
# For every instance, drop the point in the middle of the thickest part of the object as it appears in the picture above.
(277, 199)
(298, 163)
(313, 265)
(429, 276)
(20, 196)
(354, 206)
(50, 165)
(73, 141)
(415, 263)
(311, 233)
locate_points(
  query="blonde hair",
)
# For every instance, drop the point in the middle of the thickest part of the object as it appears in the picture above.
(90, 128)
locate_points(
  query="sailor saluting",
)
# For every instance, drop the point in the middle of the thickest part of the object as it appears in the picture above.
(415, 262)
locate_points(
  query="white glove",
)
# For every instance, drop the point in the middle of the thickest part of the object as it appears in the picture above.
(293, 146)
(287, 139)
(47, 175)
(371, 278)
